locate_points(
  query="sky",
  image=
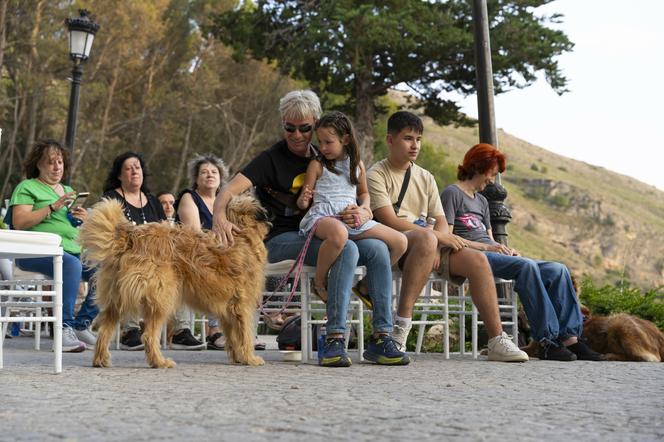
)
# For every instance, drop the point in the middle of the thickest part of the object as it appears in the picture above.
(613, 115)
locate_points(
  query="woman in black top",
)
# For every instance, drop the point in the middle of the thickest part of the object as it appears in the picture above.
(127, 183)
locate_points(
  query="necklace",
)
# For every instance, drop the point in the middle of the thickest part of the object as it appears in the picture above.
(128, 212)
(52, 186)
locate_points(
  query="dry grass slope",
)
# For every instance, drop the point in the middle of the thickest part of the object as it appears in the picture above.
(598, 222)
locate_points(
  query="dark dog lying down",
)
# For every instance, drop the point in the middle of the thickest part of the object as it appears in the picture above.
(621, 337)
(624, 337)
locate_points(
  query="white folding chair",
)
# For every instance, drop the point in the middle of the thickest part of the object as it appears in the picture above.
(29, 281)
(432, 307)
(310, 306)
(507, 307)
(22, 244)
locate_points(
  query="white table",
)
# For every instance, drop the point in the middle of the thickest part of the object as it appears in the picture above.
(21, 244)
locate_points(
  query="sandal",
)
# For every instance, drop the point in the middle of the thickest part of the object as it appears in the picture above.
(321, 292)
(364, 297)
(275, 323)
(216, 341)
(258, 345)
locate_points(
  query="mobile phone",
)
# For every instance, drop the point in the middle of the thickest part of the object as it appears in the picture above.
(79, 200)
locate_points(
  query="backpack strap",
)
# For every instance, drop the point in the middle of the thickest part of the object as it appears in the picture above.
(402, 193)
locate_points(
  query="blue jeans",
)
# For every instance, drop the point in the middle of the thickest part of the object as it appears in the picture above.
(371, 253)
(546, 292)
(72, 273)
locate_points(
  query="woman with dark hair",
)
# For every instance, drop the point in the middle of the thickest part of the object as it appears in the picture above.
(126, 182)
(545, 288)
(40, 203)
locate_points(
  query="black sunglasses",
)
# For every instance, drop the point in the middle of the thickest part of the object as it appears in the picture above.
(303, 128)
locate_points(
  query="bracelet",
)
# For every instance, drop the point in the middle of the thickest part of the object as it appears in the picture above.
(50, 206)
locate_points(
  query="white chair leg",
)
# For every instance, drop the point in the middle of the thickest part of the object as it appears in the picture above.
(474, 331)
(57, 311)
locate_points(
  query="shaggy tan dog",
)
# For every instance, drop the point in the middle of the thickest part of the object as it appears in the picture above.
(148, 270)
(624, 337)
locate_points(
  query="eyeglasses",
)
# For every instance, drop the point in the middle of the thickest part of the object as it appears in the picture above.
(303, 128)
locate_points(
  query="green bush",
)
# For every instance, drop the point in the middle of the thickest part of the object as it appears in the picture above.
(534, 167)
(561, 201)
(623, 298)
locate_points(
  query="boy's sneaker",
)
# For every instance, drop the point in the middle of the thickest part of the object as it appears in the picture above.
(503, 349)
(131, 340)
(334, 354)
(184, 340)
(400, 334)
(87, 337)
(553, 352)
(70, 342)
(585, 353)
(383, 350)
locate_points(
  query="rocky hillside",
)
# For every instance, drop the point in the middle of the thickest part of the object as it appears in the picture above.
(598, 222)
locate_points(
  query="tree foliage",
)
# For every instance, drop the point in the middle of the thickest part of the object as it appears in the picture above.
(358, 49)
(155, 83)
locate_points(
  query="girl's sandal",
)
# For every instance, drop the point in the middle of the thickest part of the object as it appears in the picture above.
(364, 297)
(275, 322)
(321, 292)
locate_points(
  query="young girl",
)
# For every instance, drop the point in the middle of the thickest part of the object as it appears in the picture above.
(340, 181)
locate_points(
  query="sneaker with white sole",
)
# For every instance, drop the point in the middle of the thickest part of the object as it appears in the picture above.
(87, 337)
(503, 349)
(400, 334)
(70, 342)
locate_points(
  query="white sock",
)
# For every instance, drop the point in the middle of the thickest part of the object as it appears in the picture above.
(404, 322)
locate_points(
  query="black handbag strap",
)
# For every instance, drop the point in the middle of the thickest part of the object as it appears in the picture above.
(402, 193)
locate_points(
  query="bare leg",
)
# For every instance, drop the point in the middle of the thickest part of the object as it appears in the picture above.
(473, 265)
(334, 235)
(395, 240)
(417, 265)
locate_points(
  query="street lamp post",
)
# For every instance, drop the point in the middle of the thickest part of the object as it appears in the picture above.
(82, 32)
(495, 193)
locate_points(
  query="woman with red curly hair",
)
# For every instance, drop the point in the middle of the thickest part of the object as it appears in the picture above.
(545, 288)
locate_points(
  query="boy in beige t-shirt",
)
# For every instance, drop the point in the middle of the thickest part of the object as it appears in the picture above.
(429, 249)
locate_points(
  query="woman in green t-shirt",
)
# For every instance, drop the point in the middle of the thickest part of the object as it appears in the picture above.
(39, 203)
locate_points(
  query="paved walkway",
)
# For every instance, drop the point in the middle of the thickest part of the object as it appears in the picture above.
(205, 398)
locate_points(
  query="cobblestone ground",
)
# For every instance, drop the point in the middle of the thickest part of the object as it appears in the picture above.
(206, 398)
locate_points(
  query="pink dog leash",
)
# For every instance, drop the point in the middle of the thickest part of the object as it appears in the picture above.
(297, 266)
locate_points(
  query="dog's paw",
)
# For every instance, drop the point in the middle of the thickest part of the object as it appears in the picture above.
(101, 362)
(166, 363)
(255, 361)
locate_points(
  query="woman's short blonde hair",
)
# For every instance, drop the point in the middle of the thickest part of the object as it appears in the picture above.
(194, 165)
(300, 104)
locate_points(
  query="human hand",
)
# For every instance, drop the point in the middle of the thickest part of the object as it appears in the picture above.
(79, 213)
(224, 230)
(436, 259)
(64, 200)
(452, 241)
(500, 248)
(355, 216)
(306, 195)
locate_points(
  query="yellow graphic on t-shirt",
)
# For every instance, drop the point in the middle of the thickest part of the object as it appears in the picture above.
(298, 182)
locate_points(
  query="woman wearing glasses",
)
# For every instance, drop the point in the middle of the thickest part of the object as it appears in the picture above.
(278, 175)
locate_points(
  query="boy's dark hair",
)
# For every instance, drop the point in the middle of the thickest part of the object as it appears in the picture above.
(401, 120)
(341, 125)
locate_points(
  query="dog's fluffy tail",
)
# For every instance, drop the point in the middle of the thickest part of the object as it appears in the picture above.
(98, 235)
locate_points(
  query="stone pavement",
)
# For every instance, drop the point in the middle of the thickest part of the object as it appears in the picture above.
(205, 398)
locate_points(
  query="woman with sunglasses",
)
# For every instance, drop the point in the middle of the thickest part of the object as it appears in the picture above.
(278, 175)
